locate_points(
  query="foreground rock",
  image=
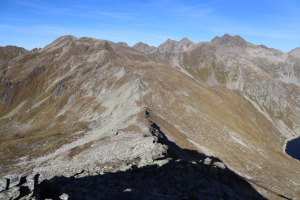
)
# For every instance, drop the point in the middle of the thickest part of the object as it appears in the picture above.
(172, 180)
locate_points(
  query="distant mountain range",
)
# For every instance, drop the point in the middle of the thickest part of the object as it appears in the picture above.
(87, 106)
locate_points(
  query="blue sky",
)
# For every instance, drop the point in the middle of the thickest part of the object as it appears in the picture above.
(36, 23)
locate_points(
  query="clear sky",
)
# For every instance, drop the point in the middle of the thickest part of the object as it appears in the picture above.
(36, 23)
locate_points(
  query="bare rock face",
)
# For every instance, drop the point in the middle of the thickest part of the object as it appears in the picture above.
(82, 107)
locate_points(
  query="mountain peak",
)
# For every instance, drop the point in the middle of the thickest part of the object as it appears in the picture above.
(141, 44)
(227, 39)
(66, 38)
(61, 41)
(295, 52)
(143, 47)
(123, 44)
(185, 39)
(172, 46)
(168, 41)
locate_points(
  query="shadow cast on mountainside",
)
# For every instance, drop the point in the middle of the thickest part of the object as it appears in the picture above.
(175, 180)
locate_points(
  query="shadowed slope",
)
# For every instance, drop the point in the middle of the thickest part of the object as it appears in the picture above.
(174, 180)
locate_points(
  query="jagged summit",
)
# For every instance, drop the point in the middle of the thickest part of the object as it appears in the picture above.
(227, 39)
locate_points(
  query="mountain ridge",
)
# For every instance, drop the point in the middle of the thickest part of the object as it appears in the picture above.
(238, 40)
(81, 98)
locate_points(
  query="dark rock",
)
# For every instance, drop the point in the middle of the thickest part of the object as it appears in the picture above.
(25, 193)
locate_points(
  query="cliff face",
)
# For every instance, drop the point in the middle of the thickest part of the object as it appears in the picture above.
(82, 104)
